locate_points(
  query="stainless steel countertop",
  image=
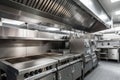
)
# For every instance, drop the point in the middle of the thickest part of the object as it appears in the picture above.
(37, 61)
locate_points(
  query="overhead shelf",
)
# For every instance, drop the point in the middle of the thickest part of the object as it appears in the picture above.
(28, 38)
(12, 33)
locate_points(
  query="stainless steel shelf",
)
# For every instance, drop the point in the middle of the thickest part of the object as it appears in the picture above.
(108, 47)
(28, 38)
(108, 40)
(25, 34)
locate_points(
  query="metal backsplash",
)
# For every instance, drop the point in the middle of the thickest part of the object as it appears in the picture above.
(11, 48)
(19, 47)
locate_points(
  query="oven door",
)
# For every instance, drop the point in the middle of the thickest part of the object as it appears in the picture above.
(51, 76)
(65, 73)
(77, 70)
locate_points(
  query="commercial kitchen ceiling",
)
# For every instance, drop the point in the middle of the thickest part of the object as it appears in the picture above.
(112, 7)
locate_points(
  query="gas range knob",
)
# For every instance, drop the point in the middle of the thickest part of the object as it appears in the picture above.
(40, 70)
(47, 68)
(36, 72)
(50, 67)
(26, 75)
(31, 73)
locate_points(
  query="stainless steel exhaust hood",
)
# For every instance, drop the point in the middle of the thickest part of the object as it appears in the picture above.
(63, 11)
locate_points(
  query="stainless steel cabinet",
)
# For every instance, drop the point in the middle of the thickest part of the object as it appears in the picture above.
(77, 70)
(95, 62)
(113, 54)
(87, 66)
(51, 76)
(65, 73)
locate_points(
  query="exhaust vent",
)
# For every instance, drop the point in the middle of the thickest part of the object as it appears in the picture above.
(59, 8)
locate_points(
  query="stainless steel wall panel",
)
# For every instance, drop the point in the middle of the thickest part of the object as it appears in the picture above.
(37, 48)
(12, 52)
(11, 49)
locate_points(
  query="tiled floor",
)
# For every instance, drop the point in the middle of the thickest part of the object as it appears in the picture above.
(105, 71)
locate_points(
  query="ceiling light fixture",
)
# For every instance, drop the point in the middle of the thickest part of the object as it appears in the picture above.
(102, 16)
(53, 29)
(66, 31)
(113, 1)
(117, 12)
